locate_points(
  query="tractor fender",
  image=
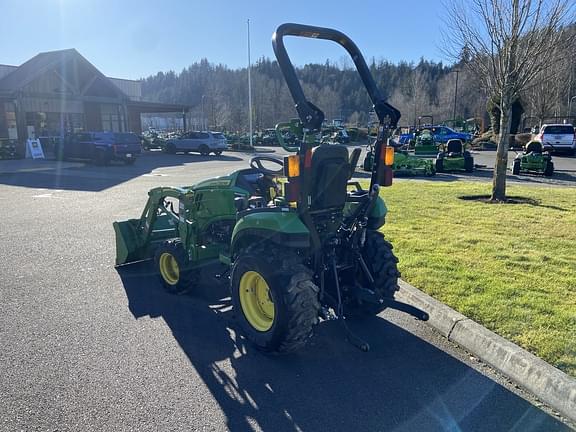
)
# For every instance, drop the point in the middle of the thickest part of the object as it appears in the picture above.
(282, 227)
(377, 216)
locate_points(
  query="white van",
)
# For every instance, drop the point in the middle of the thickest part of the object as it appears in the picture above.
(196, 141)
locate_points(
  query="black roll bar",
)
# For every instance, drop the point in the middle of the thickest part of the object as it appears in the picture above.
(310, 115)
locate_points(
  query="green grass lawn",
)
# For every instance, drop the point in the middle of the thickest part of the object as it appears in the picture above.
(511, 267)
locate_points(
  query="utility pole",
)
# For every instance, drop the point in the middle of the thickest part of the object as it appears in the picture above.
(249, 88)
(570, 106)
(202, 120)
(455, 94)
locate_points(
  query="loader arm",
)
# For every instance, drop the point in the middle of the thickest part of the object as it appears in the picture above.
(134, 236)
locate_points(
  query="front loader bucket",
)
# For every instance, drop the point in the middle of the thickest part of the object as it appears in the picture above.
(130, 245)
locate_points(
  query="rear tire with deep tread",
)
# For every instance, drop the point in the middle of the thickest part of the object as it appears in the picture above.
(439, 165)
(292, 290)
(516, 167)
(383, 266)
(468, 164)
(186, 277)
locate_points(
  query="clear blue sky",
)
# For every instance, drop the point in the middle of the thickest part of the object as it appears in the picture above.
(133, 39)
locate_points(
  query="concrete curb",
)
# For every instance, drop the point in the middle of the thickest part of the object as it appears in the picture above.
(547, 383)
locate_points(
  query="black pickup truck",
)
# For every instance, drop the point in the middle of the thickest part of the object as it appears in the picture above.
(101, 147)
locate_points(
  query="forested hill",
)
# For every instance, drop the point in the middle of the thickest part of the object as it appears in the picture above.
(424, 88)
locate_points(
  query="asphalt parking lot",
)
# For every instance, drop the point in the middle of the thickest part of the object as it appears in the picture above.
(88, 347)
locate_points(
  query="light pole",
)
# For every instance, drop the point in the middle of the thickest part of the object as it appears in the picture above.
(570, 106)
(455, 94)
(249, 88)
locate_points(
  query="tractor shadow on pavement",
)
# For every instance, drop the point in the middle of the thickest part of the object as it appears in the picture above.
(93, 178)
(402, 384)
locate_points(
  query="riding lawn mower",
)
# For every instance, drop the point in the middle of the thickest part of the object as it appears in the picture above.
(308, 253)
(534, 160)
(425, 145)
(454, 157)
(405, 164)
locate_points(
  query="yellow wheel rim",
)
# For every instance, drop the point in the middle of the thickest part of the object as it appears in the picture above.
(169, 269)
(257, 304)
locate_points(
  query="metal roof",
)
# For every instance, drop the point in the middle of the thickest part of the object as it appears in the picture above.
(27, 72)
(41, 63)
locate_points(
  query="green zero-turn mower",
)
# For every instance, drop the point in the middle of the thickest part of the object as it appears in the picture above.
(294, 258)
(425, 144)
(534, 160)
(454, 157)
(404, 164)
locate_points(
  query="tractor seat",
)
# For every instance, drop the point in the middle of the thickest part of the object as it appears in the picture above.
(454, 147)
(534, 147)
(330, 174)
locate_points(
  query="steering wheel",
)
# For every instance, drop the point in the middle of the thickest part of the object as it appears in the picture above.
(256, 163)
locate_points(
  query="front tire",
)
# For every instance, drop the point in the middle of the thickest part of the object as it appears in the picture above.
(173, 267)
(204, 150)
(101, 159)
(169, 148)
(274, 298)
(549, 170)
(383, 266)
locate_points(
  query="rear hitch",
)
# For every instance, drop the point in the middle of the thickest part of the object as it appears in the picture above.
(352, 338)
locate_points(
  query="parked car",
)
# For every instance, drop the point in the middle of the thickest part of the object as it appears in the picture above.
(196, 141)
(560, 137)
(441, 134)
(101, 147)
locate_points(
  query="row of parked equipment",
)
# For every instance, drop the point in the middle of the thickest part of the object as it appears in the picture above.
(8, 149)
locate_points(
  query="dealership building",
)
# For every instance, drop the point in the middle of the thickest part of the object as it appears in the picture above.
(60, 91)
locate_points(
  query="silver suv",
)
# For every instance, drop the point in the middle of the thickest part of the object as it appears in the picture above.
(560, 137)
(196, 141)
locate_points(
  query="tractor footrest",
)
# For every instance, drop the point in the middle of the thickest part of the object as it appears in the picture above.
(224, 258)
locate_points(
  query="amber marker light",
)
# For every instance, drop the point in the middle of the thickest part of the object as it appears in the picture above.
(292, 164)
(388, 155)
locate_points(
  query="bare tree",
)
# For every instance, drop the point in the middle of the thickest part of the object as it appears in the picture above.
(418, 89)
(509, 43)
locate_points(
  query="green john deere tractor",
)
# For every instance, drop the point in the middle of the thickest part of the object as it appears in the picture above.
(310, 252)
(454, 157)
(534, 160)
(404, 164)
